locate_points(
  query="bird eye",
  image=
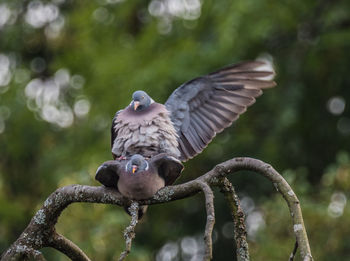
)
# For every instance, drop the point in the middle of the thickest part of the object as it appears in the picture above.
(142, 97)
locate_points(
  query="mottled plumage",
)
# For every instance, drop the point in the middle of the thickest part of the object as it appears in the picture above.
(147, 132)
(193, 114)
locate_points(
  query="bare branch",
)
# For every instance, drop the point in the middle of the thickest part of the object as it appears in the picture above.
(129, 232)
(238, 217)
(282, 186)
(37, 255)
(292, 255)
(68, 248)
(41, 228)
(22, 253)
(209, 205)
(40, 232)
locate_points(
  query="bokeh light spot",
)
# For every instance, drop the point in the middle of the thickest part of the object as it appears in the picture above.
(22, 75)
(227, 230)
(77, 81)
(5, 73)
(343, 126)
(38, 65)
(168, 252)
(39, 14)
(81, 108)
(46, 96)
(2, 125)
(101, 14)
(189, 246)
(337, 205)
(53, 29)
(5, 112)
(62, 77)
(336, 105)
(167, 10)
(5, 14)
(247, 204)
(254, 221)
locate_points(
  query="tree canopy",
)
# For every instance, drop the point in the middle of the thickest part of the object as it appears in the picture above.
(67, 66)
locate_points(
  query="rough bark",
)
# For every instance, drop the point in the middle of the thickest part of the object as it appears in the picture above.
(240, 232)
(41, 230)
(129, 232)
(209, 205)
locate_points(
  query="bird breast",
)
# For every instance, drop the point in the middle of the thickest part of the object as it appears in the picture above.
(140, 185)
(148, 133)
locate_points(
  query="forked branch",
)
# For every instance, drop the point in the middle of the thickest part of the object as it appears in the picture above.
(41, 230)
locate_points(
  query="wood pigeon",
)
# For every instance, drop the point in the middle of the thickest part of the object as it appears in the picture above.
(193, 114)
(139, 178)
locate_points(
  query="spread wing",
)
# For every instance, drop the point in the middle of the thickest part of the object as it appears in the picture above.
(169, 168)
(108, 173)
(206, 105)
(114, 132)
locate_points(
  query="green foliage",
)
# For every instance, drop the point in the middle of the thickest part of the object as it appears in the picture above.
(89, 56)
(325, 214)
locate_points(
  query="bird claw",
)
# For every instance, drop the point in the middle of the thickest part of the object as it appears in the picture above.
(121, 158)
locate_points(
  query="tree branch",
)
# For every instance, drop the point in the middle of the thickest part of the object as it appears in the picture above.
(209, 205)
(240, 232)
(21, 252)
(67, 247)
(40, 230)
(292, 255)
(129, 232)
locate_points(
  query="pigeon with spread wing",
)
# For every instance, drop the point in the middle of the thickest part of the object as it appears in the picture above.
(193, 114)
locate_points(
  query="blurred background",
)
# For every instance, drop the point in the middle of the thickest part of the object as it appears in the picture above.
(66, 66)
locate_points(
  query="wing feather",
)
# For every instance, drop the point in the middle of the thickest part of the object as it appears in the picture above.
(114, 131)
(246, 82)
(203, 131)
(194, 139)
(169, 168)
(108, 173)
(184, 152)
(211, 103)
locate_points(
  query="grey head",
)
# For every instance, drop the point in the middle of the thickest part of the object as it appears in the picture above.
(136, 164)
(140, 101)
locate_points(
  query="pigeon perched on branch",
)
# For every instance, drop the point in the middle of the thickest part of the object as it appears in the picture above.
(193, 114)
(139, 178)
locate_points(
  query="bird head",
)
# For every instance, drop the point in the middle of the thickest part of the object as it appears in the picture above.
(140, 101)
(136, 163)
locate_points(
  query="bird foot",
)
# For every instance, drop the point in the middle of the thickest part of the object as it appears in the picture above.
(121, 158)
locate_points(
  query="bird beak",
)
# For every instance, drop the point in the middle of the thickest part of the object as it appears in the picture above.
(136, 104)
(134, 168)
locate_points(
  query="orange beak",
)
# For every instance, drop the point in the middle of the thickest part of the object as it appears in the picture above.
(134, 168)
(136, 104)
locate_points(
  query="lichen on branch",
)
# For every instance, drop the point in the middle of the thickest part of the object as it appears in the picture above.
(41, 232)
